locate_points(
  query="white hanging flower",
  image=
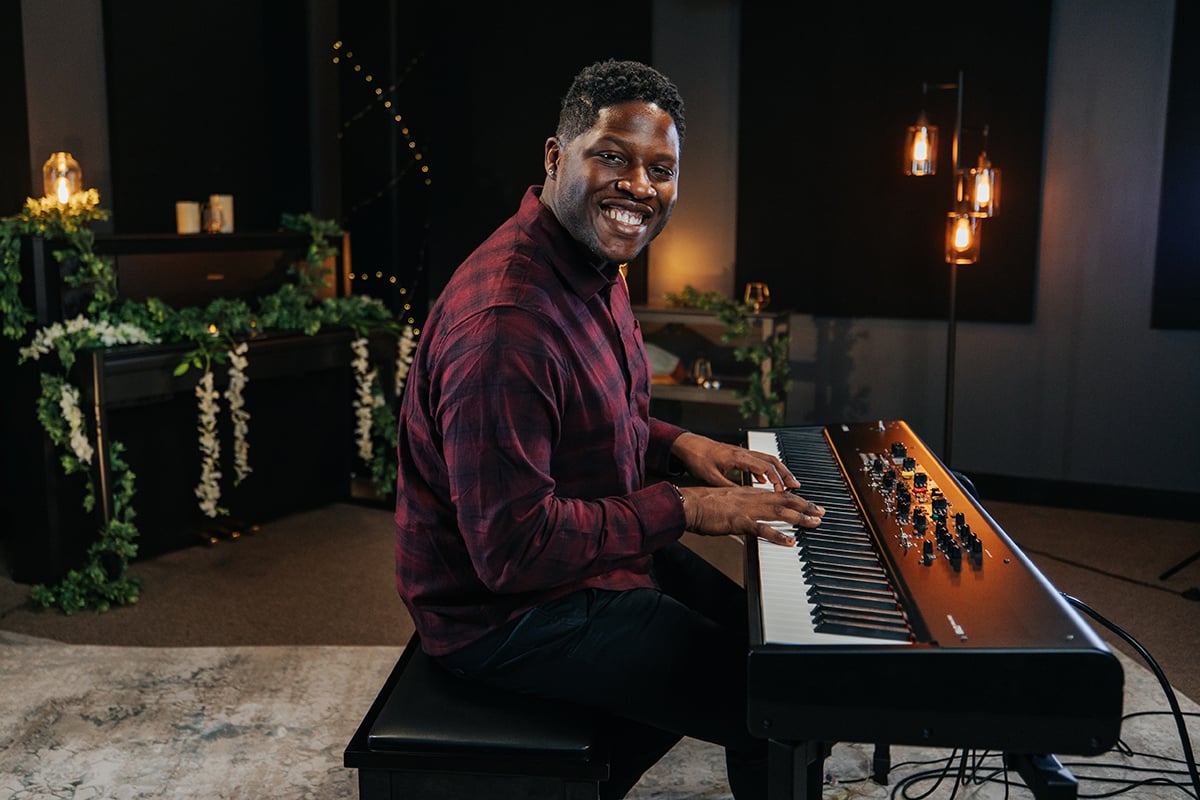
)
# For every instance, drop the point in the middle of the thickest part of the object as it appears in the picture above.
(209, 489)
(364, 401)
(88, 331)
(68, 404)
(404, 358)
(238, 412)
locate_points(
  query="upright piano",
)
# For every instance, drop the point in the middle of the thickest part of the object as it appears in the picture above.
(909, 617)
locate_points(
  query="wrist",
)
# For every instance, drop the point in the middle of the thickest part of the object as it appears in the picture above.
(683, 504)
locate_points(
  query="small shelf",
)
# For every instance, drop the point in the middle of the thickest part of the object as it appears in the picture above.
(690, 333)
(148, 243)
(695, 394)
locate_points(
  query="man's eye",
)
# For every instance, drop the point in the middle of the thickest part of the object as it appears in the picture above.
(662, 173)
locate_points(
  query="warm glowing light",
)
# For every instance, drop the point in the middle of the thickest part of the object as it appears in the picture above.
(212, 329)
(921, 146)
(962, 234)
(962, 237)
(983, 189)
(61, 177)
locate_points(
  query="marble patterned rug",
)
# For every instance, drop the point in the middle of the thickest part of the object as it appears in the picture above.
(122, 723)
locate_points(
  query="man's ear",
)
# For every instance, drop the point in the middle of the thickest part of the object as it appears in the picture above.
(553, 151)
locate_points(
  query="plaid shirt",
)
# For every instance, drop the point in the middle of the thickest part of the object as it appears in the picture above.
(524, 438)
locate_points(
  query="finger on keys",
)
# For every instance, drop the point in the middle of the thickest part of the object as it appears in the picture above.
(775, 475)
(788, 480)
(777, 532)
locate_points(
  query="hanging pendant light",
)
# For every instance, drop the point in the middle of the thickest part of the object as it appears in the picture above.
(979, 187)
(920, 147)
(962, 237)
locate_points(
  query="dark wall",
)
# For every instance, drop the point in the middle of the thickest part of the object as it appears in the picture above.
(824, 209)
(207, 98)
(1176, 301)
(14, 133)
(217, 97)
(476, 95)
(481, 94)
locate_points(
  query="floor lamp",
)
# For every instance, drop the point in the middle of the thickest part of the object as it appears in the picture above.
(976, 197)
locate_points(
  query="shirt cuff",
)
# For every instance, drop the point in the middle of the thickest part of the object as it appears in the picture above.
(661, 513)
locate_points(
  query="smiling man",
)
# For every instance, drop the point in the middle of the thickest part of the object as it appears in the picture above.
(534, 550)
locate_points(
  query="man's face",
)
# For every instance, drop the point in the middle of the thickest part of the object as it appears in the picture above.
(613, 186)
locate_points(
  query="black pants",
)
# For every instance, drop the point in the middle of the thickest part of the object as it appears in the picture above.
(659, 663)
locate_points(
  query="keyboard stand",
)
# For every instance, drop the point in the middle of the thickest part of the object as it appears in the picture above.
(1045, 776)
(796, 770)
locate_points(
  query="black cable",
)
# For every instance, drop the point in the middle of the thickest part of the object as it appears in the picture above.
(1172, 701)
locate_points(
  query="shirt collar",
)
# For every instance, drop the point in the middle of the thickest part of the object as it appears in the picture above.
(582, 271)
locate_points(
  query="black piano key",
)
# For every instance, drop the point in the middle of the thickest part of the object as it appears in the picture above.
(856, 580)
(813, 566)
(856, 599)
(836, 617)
(823, 556)
(850, 629)
(817, 548)
(849, 583)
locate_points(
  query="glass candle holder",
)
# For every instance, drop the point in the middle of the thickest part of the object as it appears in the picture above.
(757, 296)
(61, 177)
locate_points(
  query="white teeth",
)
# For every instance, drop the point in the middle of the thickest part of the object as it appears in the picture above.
(624, 217)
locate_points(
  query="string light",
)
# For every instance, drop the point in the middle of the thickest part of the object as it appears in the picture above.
(379, 94)
(382, 96)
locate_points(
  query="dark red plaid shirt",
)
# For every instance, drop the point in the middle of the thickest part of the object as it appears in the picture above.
(525, 437)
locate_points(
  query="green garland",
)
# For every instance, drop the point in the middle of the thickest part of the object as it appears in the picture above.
(757, 400)
(102, 581)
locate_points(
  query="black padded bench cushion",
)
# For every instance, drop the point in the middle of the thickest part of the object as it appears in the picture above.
(427, 719)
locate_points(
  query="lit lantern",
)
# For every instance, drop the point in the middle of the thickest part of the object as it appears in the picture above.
(962, 238)
(61, 177)
(920, 148)
(979, 188)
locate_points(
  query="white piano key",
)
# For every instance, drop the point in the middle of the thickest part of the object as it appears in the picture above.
(786, 608)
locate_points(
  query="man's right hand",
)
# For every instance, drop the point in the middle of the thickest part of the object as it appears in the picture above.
(747, 511)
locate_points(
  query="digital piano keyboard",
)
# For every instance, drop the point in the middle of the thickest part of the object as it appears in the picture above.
(909, 617)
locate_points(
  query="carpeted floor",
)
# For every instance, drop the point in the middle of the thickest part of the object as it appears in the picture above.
(189, 678)
(100, 722)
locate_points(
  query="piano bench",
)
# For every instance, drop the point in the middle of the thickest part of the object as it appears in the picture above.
(432, 736)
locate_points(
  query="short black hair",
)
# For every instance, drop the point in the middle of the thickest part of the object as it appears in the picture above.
(607, 83)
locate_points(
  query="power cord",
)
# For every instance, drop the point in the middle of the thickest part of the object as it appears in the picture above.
(971, 767)
(1172, 700)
